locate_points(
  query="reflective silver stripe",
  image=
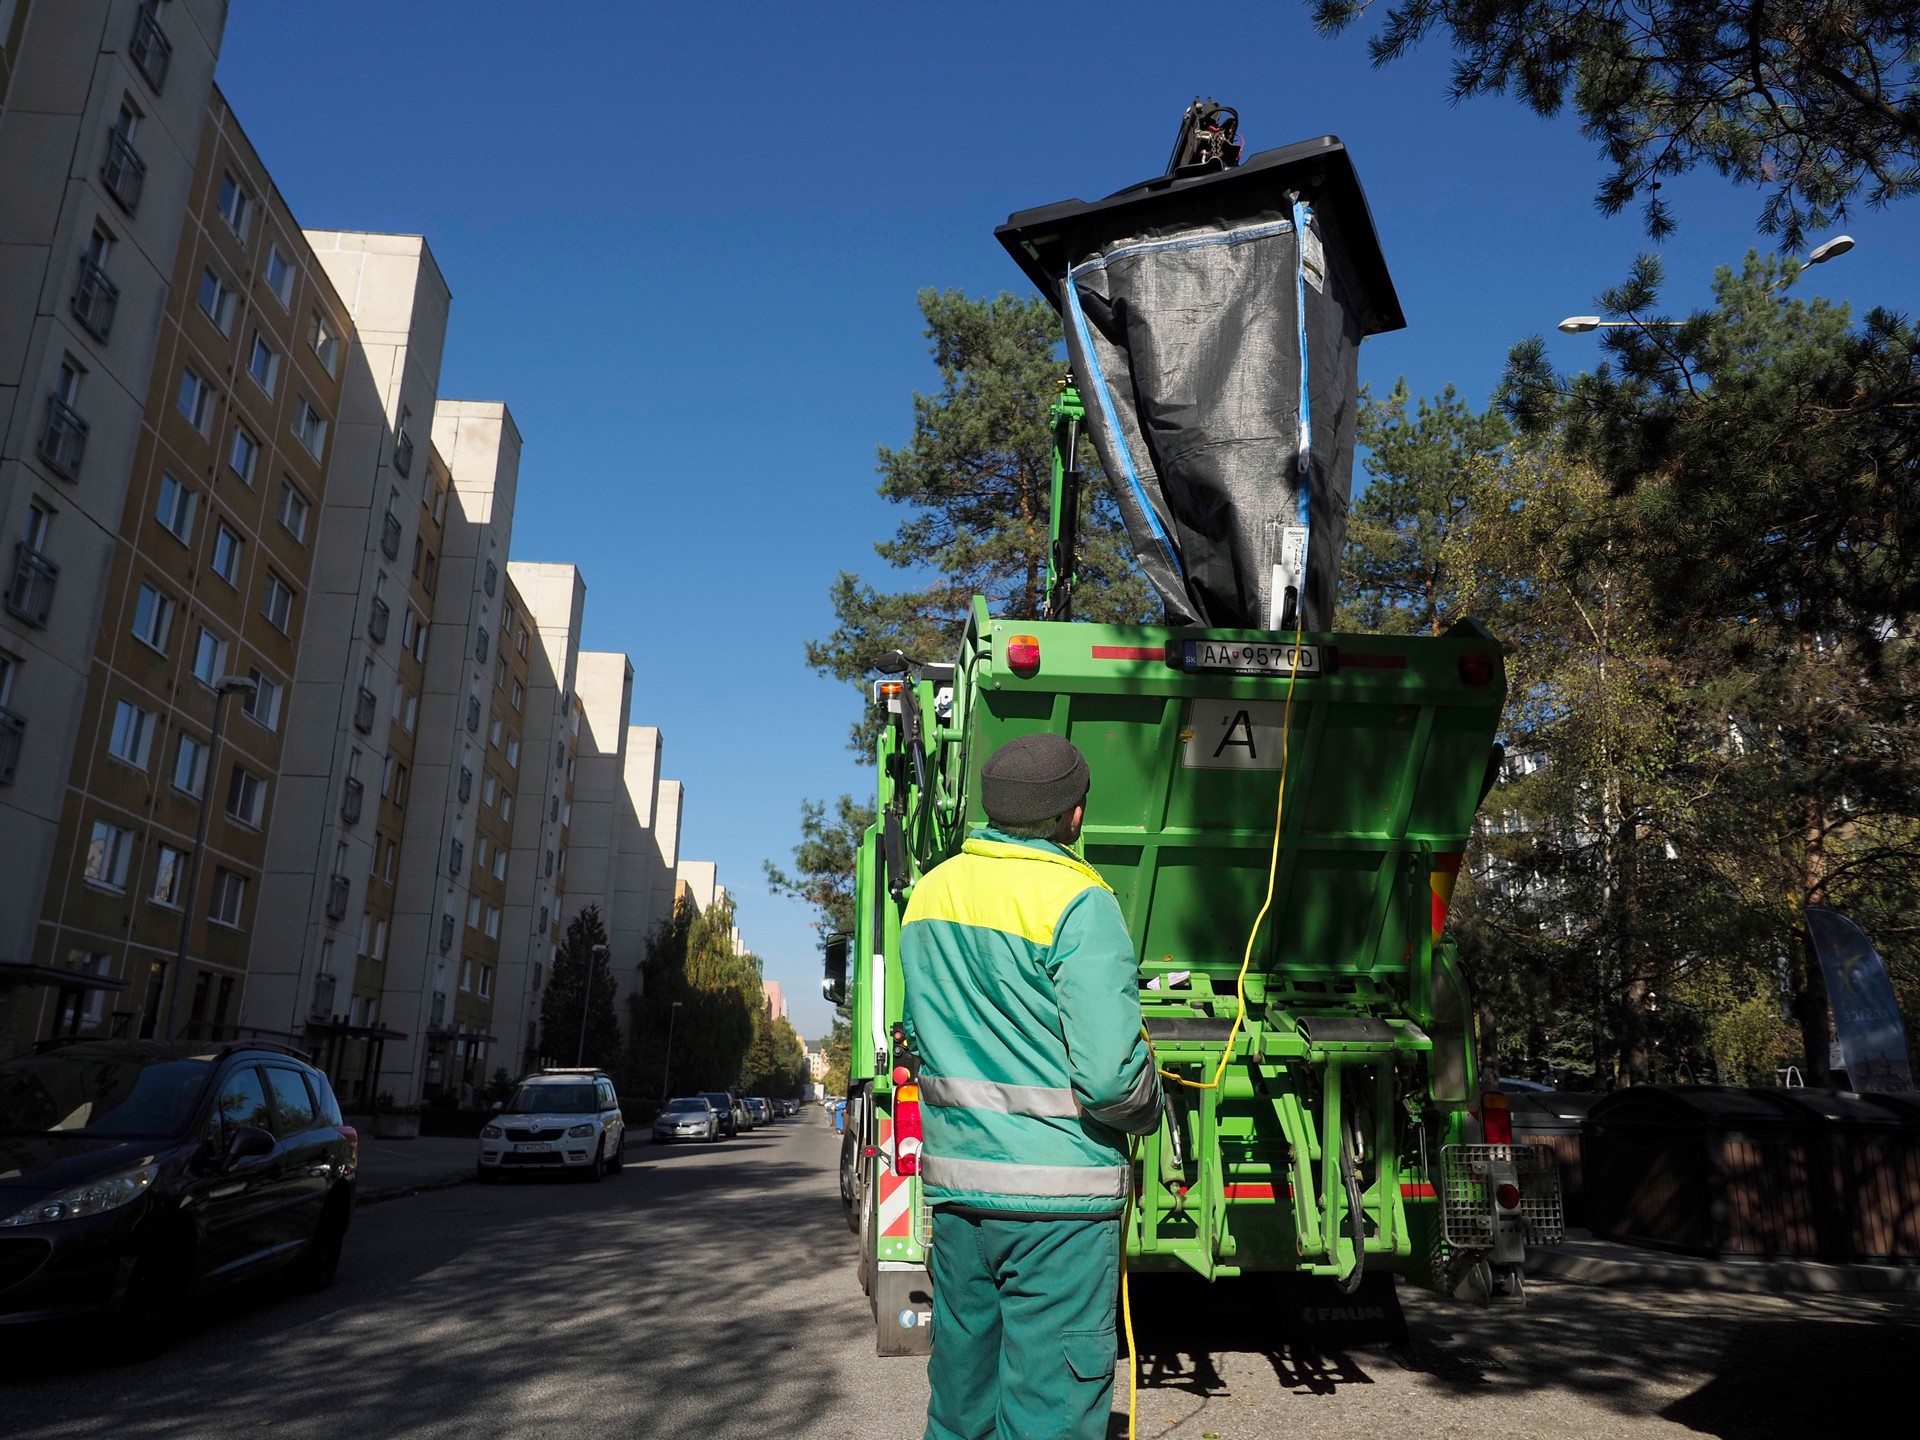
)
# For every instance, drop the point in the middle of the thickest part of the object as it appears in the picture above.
(1044, 1101)
(1140, 1106)
(989, 1177)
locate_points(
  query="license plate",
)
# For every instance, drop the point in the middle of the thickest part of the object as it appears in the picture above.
(537, 1147)
(1251, 657)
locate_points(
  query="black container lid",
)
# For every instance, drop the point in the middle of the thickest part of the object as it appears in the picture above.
(1045, 239)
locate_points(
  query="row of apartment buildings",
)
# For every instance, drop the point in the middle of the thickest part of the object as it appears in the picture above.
(289, 746)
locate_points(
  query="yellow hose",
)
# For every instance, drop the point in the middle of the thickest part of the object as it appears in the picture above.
(1273, 872)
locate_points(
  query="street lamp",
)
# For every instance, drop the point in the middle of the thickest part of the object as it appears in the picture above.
(586, 995)
(666, 1071)
(1827, 250)
(224, 686)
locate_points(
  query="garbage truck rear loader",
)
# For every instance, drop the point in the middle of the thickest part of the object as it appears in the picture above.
(1281, 810)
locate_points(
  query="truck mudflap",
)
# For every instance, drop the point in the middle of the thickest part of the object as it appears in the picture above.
(1497, 1200)
(902, 1309)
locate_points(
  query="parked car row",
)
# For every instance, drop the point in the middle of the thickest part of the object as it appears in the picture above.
(714, 1113)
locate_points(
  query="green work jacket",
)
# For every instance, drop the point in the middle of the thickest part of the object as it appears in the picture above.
(1023, 1004)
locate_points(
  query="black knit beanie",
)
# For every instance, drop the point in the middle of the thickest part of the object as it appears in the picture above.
(1031, 779)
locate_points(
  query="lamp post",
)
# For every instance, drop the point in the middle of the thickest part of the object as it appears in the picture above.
(666, 1071)
(224, 686)
(1827, 250)
(586, 997)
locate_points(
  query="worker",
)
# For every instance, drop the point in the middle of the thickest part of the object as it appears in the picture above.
(1023, 1008)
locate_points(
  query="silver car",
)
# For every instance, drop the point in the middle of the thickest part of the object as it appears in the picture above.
(691, 1118)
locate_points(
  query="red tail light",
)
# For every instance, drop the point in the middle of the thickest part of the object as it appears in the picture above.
(1507, 1197)
(1476, 669)
(1496, 1120)
(906, 1130)
(1023, 654)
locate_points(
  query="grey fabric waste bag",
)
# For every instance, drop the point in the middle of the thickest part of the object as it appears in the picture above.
(1192, 314)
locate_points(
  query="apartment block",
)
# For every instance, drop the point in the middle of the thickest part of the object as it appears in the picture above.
(553, 597)
(102, 105)
(319, 973)
(206, 597)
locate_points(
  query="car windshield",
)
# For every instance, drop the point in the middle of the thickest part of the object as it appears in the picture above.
(699, 1105)
(118, 1091)
(555, 1100)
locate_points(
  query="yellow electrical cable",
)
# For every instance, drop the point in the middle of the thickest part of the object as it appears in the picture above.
(1240, 1015)
(1273, 871)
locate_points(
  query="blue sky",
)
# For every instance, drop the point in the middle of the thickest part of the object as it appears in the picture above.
(684, 244)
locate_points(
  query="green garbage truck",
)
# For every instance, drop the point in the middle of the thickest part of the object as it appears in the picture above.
(1280, 809)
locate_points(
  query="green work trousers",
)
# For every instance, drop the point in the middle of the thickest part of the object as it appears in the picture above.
(1023, 1340)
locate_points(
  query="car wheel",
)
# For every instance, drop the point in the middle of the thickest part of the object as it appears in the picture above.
(713, 1133)
(148, 1320)
(316, 1268)
(597, 1168)
(619, 1161)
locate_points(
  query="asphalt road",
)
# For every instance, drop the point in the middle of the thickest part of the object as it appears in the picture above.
(709, 1292)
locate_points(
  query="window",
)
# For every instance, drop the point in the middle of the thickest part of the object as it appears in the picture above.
(326, 344)
(473, 712)
(486, 982)
(189, 765)
(279, 275)
(243, 454)
(519, 696)
(217, 299)
(480, 646)
(170, 878)
(500, 671)
(175, 509)
(235, 204)
(95, 296)
(263, 363)
(500, 864)
(226, 554)
(39, 526)
(493, 922)
(480, 852)
(246, 796)
(310, 428)
(263, 705)
(276, 603)
(493, 733)
(152, 617)
(506, 805)
(209, 657)
(409, 627)
(292, 1101)
(521, 643)
(420, 642)
(427, 573)
(229, 897)
(379, 951)
(473, 913)
(107, 855)
(293, 511)
(399, 796)
(195, 400)
(412, 713)
(123, 172)
(489, 787)
(513, 751)
(242, 1101)
(403, 443)
(440, 505)
(132, 738)
(466, 976)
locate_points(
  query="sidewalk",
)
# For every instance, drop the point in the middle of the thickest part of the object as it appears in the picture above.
(1587, 1261)
(399, 1167)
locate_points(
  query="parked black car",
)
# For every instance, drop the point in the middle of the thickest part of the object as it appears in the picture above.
(727, 1105)
(135, 1173)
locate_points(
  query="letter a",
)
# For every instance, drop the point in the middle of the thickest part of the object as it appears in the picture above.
(1241, 724)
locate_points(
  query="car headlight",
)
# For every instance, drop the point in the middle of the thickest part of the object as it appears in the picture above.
(580, 1132)
(491, 1132)
(95, 1199)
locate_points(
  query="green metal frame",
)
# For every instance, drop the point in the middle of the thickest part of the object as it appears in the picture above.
(1386, 756)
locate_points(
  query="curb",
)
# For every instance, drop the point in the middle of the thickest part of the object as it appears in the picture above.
(1619, 1266)
(412, 1187)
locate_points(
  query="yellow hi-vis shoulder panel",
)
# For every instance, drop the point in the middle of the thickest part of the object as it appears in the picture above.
(980, 887)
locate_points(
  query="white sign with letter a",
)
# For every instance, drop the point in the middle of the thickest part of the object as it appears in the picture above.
(1234, 734)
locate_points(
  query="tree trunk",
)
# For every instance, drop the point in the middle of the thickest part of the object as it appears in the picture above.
(1636, 1044)
(1810, 1005)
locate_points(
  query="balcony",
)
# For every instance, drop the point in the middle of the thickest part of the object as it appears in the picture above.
(377, 620)
(403, 453)
(446, 932)
(473, 713)
(363, 711)
(466, 784)
(94, 300)
(339, 891)
(352, 797)
(13, 729)
(390, 536)
(30, 595)
(493, 578)
(151, 51)
(456, 857)
(64, 440)
(123, 172)
(480, 646)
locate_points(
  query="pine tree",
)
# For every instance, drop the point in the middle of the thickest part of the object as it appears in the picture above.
(560, 1005)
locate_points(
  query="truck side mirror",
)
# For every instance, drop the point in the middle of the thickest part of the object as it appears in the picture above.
(834, 983)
